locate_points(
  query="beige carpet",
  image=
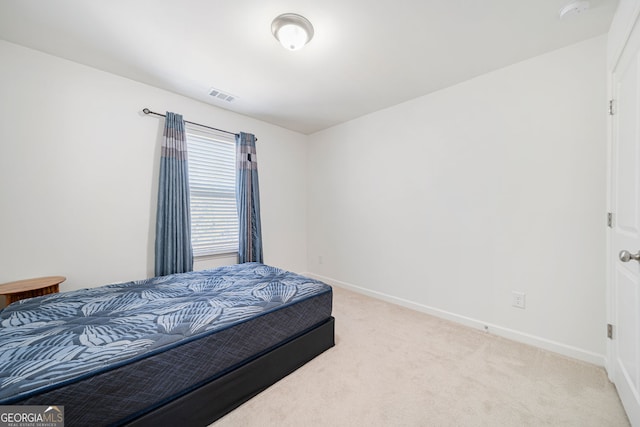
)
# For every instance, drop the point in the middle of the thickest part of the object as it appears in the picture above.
(392, 366)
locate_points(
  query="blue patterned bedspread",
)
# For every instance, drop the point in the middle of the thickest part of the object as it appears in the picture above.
(53, 338)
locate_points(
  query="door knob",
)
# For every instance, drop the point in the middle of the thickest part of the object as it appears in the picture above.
(626, 256)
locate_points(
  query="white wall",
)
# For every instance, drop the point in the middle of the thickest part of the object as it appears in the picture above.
(451, 201)
(79, 165)
(445, 203)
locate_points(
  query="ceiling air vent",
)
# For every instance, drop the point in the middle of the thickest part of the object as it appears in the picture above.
(223, 96)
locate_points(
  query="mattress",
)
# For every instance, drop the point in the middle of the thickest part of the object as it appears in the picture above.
(112, 353)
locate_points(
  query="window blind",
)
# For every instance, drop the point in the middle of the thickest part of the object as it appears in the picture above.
(212, 186)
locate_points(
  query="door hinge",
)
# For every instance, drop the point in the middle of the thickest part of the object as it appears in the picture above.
(609, 331)
(609, 219)
(611, 108)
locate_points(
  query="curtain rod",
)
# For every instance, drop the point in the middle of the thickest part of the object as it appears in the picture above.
(147, 111)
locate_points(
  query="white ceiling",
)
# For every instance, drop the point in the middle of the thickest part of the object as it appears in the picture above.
(366, 55)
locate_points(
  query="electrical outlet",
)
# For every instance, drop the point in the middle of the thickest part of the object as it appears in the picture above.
(518, 299)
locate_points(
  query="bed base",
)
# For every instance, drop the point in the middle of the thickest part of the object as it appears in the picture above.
(215, 399)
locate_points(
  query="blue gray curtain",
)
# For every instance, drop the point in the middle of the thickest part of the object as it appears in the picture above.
(174, 253)
(248, 199)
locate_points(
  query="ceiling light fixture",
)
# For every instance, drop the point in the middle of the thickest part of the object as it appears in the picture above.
(293, 31)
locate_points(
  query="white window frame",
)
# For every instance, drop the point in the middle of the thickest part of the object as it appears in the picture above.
(212, 176)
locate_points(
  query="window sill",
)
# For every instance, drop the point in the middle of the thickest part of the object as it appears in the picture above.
(205, 262)
(215, 256)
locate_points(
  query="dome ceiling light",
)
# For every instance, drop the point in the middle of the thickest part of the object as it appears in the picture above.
(293, 31)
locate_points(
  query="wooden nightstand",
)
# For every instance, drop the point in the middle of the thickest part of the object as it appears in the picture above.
(15, 291)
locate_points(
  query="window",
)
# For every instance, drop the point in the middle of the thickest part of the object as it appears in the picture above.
(212, 187)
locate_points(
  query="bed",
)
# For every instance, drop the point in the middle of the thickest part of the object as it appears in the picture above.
(178, 349)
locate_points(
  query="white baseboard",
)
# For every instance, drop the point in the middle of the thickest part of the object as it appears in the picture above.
(554, 346)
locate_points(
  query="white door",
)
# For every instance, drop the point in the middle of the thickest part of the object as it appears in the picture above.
(624, 350)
